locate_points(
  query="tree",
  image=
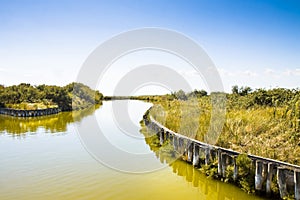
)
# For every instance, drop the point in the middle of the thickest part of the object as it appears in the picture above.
(180, 94)
(198, 93)
(235, 89)
(243, 91)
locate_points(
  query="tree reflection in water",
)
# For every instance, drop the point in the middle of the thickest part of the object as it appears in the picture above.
(20, 126)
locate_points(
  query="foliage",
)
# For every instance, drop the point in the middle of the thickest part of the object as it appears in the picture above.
(180, 95)
(243, 91)
(262, 122)
(197, 93)
(245, 173)
(70, 97)
(211, 170)
(259, 122)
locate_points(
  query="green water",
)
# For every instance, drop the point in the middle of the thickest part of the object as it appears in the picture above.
(44, 158)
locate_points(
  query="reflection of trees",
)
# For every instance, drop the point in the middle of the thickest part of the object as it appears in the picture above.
(210, 189)
(51, 123)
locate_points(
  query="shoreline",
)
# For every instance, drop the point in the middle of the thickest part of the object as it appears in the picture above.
(263, 172)
(29, 113)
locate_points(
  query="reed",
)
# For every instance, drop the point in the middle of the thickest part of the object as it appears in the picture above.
(271, 131)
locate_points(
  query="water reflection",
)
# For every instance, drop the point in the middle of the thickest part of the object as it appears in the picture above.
(211, 189)
(51, 123)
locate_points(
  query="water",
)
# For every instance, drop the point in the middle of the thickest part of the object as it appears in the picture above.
(44, 158)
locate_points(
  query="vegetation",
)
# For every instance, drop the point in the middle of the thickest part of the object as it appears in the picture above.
(260, 122)
(73, 96)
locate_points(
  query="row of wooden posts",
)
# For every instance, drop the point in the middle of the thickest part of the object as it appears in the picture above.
(288, 175)
(29, 113)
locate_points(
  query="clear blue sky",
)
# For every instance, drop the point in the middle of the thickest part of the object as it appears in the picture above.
(252, 42)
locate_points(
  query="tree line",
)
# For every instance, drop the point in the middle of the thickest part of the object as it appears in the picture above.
(247, 97)
(73, 96)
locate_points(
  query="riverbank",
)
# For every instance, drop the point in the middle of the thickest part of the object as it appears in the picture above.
(74, 96)
(21, 126)
(263, 122)
(29, 113)
(252, 173)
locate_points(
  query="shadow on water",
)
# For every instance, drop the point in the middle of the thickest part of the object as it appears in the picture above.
(51, 123)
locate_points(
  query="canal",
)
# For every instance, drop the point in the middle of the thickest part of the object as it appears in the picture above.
(49, 158)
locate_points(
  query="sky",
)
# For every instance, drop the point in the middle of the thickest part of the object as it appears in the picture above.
(252, 43)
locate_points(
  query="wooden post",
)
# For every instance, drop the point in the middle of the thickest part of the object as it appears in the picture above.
(297, 184)
(213, 154)
(224, 164)
(190, 152)
(171, 138)
(265, 173)
(167, 135)
(207, 156)
(219, 162)
(185, 143)
(258, 175)
(181, 145)
(269, 178)
(161, 136)
(175, 144)
(196, 155)
(281, 180)
(235, 169)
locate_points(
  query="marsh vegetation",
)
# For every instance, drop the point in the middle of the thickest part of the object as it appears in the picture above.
(260, 122)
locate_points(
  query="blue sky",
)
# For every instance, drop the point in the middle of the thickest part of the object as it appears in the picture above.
(252, 42)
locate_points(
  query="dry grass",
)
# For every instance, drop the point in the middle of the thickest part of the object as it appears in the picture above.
(264, 131)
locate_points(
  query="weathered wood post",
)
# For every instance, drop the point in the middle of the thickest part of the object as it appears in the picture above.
(219, 162)
(171, 138)
(196, 155)
(167, 135)
(224, 163)
(297, 184)
(281, 180)
(175, 144)
(258, 175)
(265, 173)
(190, 151)
(213, 154)
(235, 169)
(161, 136)
(269, 178)
(181, 145)
(207, 156)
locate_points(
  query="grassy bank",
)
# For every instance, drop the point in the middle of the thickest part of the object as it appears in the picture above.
(263, 122)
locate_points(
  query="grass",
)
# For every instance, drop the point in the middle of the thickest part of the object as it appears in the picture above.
(266, 131)
(263, 123)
